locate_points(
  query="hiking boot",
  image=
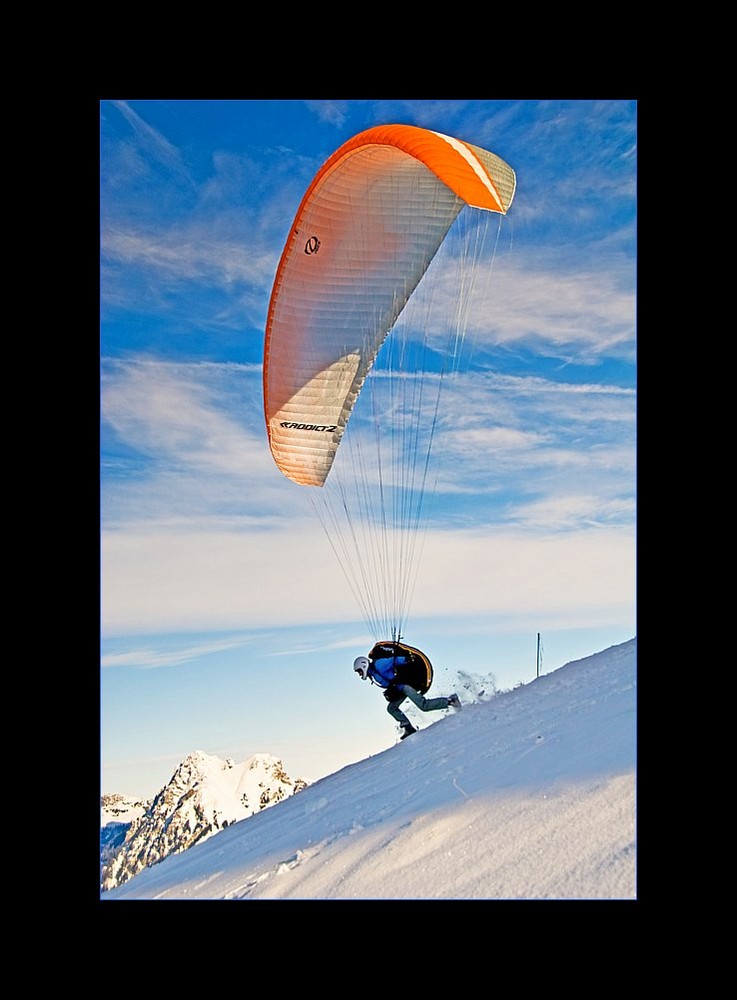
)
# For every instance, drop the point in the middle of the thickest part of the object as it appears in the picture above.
(407, 731)
(454, 701)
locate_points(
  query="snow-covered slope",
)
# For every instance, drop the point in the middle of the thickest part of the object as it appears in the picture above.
(530, 795)
(204, 795)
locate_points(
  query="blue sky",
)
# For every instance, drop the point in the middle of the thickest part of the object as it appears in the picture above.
(226, 623)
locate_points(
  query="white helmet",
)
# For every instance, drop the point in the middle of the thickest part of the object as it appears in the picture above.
(361, 666)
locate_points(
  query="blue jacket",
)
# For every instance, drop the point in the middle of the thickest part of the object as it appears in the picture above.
(384, 671)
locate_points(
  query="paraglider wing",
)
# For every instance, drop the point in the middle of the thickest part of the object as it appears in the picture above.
(367, 228)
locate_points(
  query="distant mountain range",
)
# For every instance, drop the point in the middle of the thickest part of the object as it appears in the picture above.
(204, 795)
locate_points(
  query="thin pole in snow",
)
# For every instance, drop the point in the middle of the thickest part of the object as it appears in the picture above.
(538, 655)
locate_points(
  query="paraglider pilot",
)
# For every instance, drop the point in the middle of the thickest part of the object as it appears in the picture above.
(403, 672)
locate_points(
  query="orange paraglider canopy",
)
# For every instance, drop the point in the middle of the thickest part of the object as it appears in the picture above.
(366, 231)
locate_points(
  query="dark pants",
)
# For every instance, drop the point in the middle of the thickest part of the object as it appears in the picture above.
(424, 704)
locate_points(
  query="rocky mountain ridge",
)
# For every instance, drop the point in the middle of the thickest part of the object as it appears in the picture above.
(204, 795)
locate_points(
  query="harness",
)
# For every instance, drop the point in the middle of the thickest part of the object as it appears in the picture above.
(398, 663)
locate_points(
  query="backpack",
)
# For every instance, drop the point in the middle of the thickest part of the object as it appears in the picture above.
(404, 664)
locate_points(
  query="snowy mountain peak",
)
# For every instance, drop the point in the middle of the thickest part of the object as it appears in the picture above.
(204, 795)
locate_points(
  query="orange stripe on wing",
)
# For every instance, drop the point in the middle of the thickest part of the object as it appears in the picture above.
(434, 151)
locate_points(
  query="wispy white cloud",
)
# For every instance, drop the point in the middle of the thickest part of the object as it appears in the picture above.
(201, 246)
(558, 307)
(188, 254)
(150, 657)
(583, 312)
(156, 145)
(192, 443)
(170, 413)
(331, 112)
(575, 511)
